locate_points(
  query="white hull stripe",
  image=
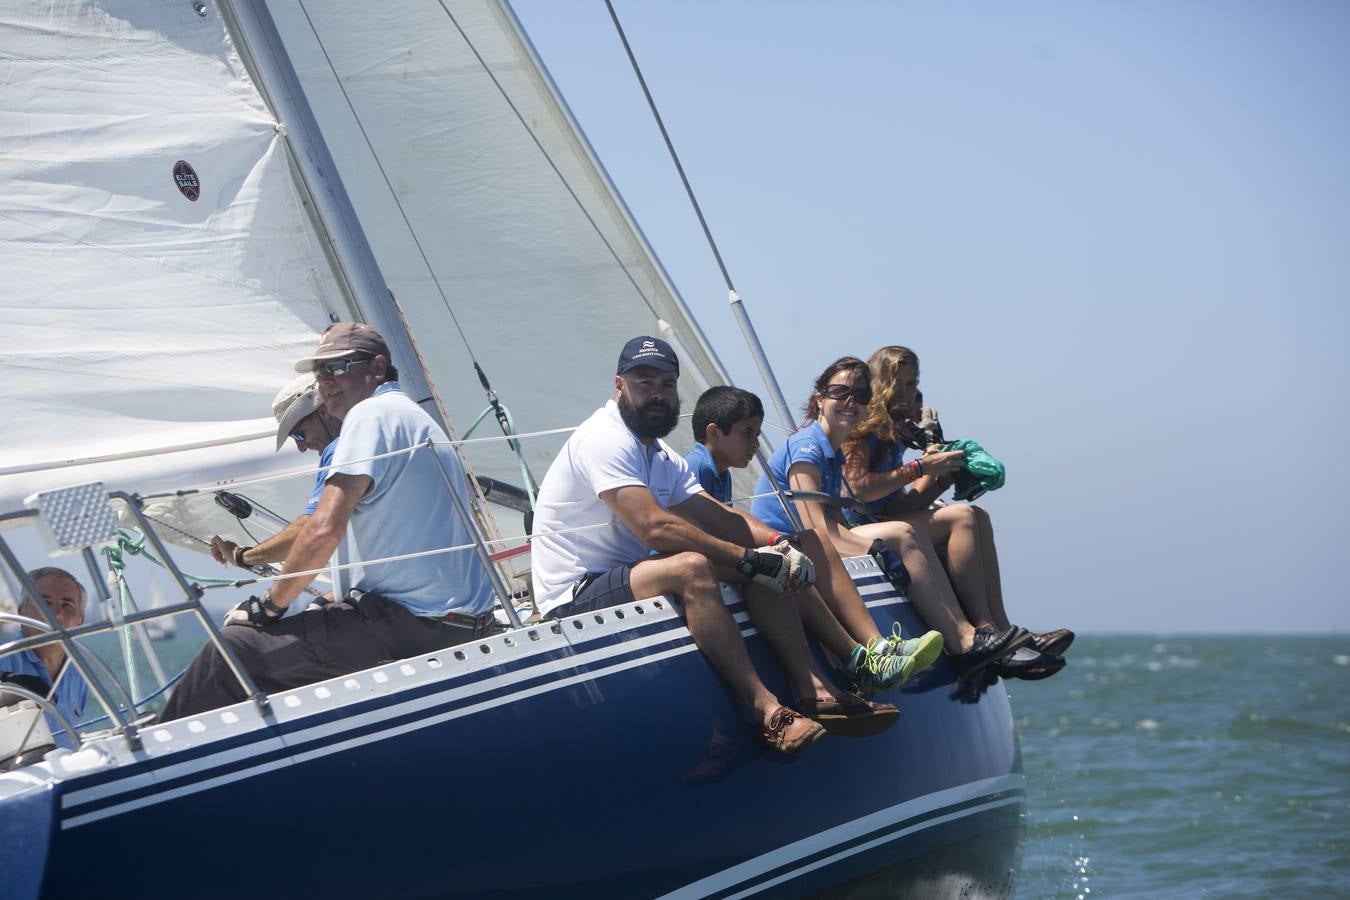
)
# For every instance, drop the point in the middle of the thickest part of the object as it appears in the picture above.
(841, 834)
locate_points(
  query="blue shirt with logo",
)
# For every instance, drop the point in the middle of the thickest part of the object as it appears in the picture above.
(807, 445)
(717, 484)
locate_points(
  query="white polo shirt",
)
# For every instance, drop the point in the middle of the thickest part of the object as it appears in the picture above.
(600, 456)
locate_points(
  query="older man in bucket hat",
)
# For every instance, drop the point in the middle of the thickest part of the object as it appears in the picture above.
(396, 504)
(301, 417)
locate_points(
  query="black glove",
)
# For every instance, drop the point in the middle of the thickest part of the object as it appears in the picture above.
(891, 565)
(258, 612)
(766, 567)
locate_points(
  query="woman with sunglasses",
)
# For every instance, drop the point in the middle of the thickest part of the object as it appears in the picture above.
(811, 461)
(961, 533)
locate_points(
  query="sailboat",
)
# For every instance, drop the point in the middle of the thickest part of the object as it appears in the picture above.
(189, 193)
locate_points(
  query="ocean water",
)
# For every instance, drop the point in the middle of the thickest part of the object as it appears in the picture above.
(1189, 767)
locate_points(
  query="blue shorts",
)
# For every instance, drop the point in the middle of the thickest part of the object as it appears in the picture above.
(597, 590)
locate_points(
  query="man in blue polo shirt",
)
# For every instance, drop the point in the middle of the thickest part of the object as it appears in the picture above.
(66, 598)
(391, 481)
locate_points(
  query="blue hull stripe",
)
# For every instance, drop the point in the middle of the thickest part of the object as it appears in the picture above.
(850, 838)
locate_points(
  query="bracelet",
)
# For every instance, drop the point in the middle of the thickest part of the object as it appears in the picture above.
(915, 469)
(239, 556)
(776, 538)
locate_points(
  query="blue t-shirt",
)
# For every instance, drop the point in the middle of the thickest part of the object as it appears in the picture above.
(717, 484)
(325, 459)
(71, 694)
(807, 445)
(408, 509)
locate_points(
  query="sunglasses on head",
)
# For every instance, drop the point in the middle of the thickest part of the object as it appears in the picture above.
(339, 366)
(861, 395)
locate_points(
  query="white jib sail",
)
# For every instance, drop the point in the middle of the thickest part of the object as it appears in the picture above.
(160, 275)
(481, 198)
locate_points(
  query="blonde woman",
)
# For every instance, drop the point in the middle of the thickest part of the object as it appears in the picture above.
(961, 534)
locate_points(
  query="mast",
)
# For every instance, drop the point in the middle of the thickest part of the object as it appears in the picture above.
(263, 52)
(261, 47)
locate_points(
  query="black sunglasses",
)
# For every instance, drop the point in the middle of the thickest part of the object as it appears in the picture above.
(339, 366)
(861, 395)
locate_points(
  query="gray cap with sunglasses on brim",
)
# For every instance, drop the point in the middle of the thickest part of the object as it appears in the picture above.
(298, 399)
(344, 339)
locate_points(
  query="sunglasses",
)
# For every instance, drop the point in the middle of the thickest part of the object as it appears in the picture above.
(298, 437)
(338, 366)
(861, 395)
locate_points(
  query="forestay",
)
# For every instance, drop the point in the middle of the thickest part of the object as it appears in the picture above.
(160, 273)
(480, 197)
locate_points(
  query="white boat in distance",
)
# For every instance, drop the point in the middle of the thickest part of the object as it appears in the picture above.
(189, 193)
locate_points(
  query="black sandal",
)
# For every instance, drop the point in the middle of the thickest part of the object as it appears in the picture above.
(989, 645)
(1053, 643)
(1028, 664)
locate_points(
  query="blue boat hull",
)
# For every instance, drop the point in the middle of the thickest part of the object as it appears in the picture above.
(602, 761)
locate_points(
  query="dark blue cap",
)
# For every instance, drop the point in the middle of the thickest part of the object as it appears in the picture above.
(648, 351)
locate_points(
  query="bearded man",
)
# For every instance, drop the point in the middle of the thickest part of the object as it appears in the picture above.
(620, 516)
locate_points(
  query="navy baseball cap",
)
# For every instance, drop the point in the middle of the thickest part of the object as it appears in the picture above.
(648, 351)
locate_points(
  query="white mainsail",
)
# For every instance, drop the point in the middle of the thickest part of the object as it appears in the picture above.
(160, 273)
(485, 206)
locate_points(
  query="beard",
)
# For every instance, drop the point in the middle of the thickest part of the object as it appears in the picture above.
(654, 419)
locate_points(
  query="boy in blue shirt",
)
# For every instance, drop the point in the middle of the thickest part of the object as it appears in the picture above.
(726, 436)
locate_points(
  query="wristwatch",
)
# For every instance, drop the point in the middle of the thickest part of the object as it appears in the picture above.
(267, 604)
(747, 564)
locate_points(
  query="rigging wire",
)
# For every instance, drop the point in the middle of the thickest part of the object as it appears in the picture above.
(670, 146)
(502, 419)
(737, 306)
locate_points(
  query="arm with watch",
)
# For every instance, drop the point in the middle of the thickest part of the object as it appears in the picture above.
(744, 530)
(680, 529)
(272, 550)
(311, 550)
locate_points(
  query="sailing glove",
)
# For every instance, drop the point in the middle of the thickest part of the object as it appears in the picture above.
(766, 567)
(258, 612)
(800, 567)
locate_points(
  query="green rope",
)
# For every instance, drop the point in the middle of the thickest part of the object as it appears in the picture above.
(132, 541)
(520, 453)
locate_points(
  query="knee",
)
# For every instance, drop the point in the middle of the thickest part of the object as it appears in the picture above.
(903, 533)
(966, 515)
(694, 570)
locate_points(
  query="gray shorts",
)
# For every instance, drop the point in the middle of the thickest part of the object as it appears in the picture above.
(597, 590)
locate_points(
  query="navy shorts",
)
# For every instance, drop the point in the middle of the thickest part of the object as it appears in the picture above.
(597, 590)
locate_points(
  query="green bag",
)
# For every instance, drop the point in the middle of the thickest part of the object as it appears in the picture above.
(982, 472)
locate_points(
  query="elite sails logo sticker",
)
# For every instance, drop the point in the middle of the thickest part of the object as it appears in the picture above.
(185, 177)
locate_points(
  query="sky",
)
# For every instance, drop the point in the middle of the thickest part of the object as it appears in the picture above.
(1116, 235)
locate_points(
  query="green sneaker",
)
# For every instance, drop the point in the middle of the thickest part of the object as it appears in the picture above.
(926, 649)
(873, 672)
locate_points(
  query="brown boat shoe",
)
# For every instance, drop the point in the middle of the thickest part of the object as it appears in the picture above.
(789, 732)
(854, 717)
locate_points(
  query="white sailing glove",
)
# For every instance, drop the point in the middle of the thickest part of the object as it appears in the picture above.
(800, 568)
